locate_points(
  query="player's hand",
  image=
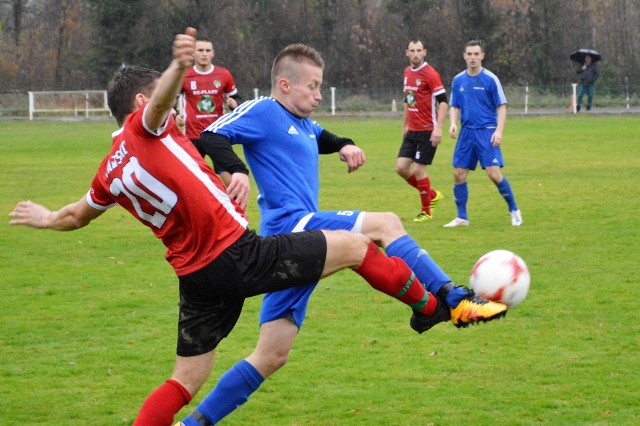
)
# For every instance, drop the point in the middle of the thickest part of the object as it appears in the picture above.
(436, 137)
(232, 103)
(29, 214)
(353, 156)
(184, 47)
(238, 189)
(179, 120)
(496, 139)
(453, 131)
(405, 129)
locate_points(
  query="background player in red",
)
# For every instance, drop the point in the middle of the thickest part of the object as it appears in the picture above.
(425, 106)
(156, 174)
(205, 90)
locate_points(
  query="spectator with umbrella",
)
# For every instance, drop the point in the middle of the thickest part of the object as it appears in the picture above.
(588, 73)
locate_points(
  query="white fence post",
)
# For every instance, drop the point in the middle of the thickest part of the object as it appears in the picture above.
(106, 103)
(31, 106)
(626, 85)
(574, 100)
(255, 93)
(526, 98)
(86, 105)
(333, 101)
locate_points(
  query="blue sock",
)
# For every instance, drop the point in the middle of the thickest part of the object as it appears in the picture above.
(507, 194)
(232, 390)
(427, 271)
(461, 195)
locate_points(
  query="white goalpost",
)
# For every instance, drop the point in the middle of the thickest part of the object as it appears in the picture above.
(73, 103)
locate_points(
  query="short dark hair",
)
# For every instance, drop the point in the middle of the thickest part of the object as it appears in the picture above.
(297, 53)
(126, 83)
(474, 43)
(416, 40)
(205, 40)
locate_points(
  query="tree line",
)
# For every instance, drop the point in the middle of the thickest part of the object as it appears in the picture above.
(78, 44)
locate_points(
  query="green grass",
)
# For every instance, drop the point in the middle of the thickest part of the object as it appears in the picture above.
(88, 318)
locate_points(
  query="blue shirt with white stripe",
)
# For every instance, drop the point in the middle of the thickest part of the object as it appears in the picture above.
(281, 150)
(478, 98)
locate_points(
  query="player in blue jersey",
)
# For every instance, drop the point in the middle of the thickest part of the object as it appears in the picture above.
(478, 100)
(281, 144)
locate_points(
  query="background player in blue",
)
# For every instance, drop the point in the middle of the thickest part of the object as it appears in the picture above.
(478, 100)
(281, 144)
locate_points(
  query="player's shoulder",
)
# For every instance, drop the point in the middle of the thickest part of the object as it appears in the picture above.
(430, 68)
(488, 74)
(252, 111)
(222, 70)
(257, 105)
(460, 75)
(190, 72)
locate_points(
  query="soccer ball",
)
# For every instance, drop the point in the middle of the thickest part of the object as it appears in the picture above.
(501, 276)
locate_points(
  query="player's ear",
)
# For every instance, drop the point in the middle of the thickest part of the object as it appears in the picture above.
(138, 100)
(285, 85)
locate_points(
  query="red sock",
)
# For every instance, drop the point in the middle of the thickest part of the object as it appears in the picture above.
(162, 405)
(424, 186)
(412, 181)
(392, 276)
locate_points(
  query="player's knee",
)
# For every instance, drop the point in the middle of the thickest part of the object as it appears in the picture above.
(383, 228)
(403, 169)
(193, 373)
(344, 250)
(278, 360)
(268, 362)
(459, 175)
(495, 176)
(393, 224)
(354, 246)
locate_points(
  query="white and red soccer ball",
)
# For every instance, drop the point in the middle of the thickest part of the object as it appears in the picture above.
(501, 276)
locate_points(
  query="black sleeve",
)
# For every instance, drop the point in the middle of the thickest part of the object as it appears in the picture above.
(328, 143)
(218, 147)
(238, 98)
(442, 98)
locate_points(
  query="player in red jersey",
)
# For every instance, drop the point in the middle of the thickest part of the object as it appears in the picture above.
(155, 173)
(425, 106)
(205, 89)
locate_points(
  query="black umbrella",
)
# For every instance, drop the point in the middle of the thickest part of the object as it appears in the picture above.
(578, 55)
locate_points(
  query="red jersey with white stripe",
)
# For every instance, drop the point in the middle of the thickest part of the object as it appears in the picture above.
(162, 180)
(421, 86)
(203, 97)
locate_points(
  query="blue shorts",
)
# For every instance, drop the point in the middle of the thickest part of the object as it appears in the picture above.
(475, 145)
(292, 303)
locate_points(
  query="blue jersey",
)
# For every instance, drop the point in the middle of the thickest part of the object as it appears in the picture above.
(282, 152)
(478, 98)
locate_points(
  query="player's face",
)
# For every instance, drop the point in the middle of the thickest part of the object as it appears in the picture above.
(416, 54)
(204, 53)
(473, 55)
(304, 89)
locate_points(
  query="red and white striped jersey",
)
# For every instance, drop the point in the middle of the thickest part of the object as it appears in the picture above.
(162, 180)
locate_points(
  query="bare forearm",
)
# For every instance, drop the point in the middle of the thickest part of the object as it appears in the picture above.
(169, 85)
(164, 96)
(453, 115)
(442, 112)
(502, 117)
(405, 117)
(68, 218)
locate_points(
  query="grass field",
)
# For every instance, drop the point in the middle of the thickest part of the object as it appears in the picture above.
(88, 318)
